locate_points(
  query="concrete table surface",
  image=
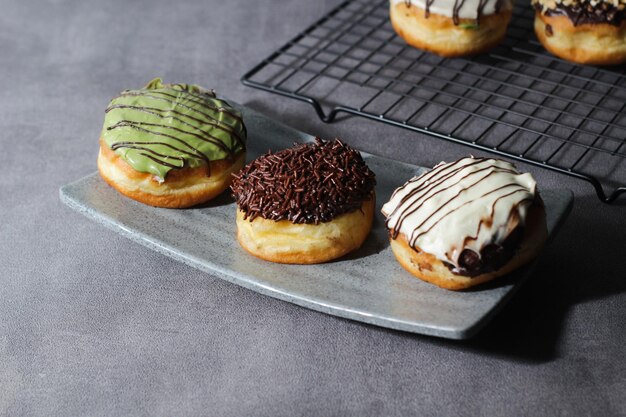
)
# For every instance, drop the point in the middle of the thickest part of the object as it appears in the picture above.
(94, 324)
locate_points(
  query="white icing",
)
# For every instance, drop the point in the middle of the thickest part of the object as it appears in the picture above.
(467, 204)
(469, 9)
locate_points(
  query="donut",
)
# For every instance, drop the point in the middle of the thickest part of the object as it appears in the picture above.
(308, 204)
(585, 32)
(466, 222)
(451, 28)
(171, 145)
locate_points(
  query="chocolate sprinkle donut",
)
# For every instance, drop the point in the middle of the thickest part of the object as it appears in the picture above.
(309, 183)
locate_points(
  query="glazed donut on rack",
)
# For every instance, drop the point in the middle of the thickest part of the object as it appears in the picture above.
(583, 31)
(466, 222)
(171, 145)
(451, 28)
(307, 204)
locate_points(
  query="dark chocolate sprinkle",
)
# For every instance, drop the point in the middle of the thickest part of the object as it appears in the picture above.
(309, 183)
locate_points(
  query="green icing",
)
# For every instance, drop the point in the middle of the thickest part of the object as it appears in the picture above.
(165, 126)
(469, 26)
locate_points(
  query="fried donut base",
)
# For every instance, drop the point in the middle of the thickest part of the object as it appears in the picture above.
(439, 34)
(593, 44)
(184, 187)
(290, 243)
(427, 267)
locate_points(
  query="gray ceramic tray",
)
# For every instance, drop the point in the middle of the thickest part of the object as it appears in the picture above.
(368, 286)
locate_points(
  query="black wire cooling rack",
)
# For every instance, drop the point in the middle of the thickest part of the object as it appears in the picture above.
(517, 101)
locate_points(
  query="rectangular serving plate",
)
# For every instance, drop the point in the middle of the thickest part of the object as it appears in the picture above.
(367, 286)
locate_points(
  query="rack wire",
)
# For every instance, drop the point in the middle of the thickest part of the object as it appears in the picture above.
(517, 101)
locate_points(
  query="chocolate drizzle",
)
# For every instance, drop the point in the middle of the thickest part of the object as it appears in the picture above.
(200, 100)
(455, 11)
(427, 9)
(481, 7)
(309, 183)
(170, 112)
(139, 126)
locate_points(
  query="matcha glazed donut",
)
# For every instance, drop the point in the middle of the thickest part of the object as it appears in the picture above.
(171, 145)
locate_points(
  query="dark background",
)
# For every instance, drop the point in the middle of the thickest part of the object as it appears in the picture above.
(93, 324)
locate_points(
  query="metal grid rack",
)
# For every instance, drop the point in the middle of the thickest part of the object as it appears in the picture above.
(517, 101)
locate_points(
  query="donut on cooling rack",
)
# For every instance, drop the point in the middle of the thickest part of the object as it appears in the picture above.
(451, 28)
(307, 204)
(586, 32)
(171, 145)
(466, 222)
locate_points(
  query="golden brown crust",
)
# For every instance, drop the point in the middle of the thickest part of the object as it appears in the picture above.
(428, 268)
(182, 187)
(439, 34)
(593, 44)
(285, 242)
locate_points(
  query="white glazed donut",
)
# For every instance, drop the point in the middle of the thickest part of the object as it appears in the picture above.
(466, 222)
(438, 26)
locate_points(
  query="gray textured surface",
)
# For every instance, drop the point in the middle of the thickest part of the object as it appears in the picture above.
(368, 286)
(94, 324)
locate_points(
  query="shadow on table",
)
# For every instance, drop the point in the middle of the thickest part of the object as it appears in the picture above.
(582, 264)
(224, 199)
(576, 268)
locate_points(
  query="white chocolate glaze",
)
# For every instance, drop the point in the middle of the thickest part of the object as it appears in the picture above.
(467, 9)
(467, 204)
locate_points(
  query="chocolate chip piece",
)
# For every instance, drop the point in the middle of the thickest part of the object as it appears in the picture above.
(470, 262)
